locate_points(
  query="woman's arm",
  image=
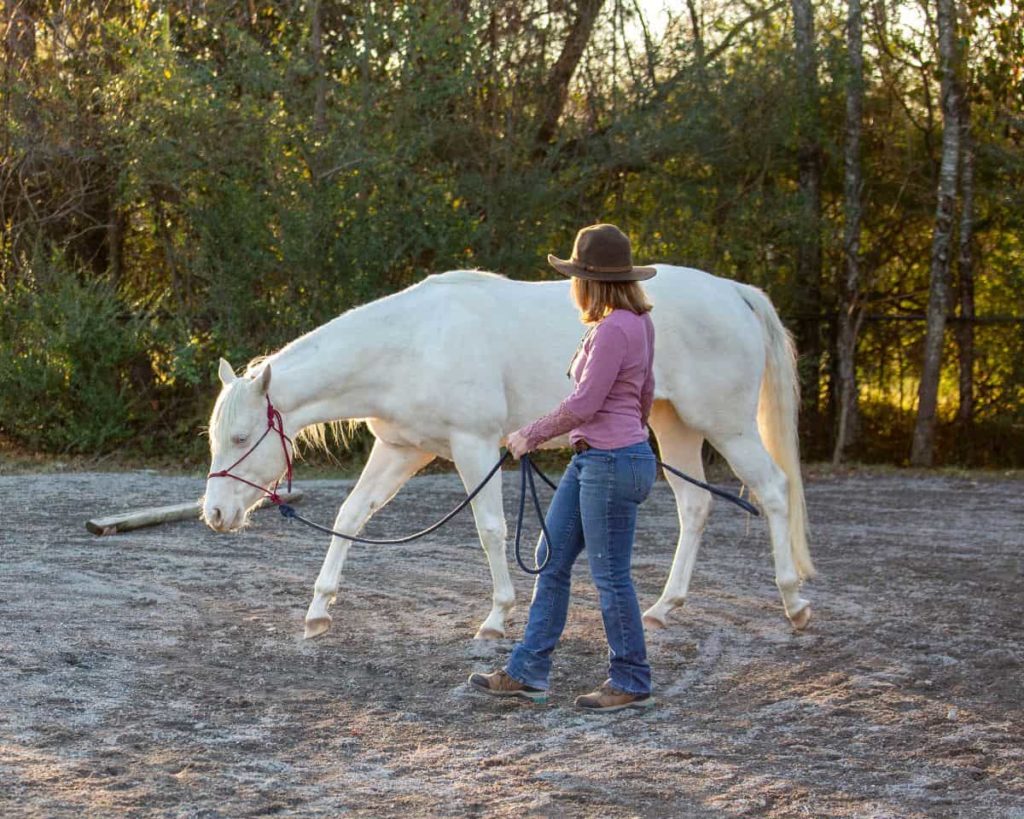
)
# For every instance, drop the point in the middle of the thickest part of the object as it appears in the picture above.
(607, 351)
(647, 398)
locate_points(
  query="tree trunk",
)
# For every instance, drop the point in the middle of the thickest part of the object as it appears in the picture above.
(849, 291)
(698, 43)
(556, 89)
(922, 450)
(965, 330)
(807, 302)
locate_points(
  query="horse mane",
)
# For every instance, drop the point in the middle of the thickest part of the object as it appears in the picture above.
(315, 435)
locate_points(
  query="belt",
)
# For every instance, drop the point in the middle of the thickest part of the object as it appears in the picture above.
(580, 446)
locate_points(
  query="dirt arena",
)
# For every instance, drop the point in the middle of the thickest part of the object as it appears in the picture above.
(163, 672)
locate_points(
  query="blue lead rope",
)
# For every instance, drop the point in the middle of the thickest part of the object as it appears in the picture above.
(714, 490)
(289, 512)
(746, 506)
(527, 469)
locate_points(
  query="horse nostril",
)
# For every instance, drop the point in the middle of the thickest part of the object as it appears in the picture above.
(216, 516)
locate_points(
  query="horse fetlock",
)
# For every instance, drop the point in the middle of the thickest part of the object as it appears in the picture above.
(318, 621)
(325, 592)
(493, 628)
(789, 588)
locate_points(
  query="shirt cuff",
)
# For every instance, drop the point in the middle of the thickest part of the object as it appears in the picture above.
(557, 422)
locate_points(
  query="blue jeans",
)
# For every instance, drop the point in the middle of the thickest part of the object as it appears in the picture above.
(595, 507)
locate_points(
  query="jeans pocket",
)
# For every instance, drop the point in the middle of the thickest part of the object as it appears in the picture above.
(644, 469)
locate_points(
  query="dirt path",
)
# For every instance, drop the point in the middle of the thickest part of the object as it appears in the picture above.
(163, 672)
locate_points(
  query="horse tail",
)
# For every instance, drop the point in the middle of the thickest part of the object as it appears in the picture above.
(777, 411)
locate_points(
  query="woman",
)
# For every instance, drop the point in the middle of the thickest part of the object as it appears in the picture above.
(610, 474)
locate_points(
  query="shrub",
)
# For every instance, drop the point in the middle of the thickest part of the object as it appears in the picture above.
(67, 352)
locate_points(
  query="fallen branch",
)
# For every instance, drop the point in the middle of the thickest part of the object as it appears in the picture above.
(155, 515)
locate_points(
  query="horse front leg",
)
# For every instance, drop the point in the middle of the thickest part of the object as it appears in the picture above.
(473, 458)
(387, 469)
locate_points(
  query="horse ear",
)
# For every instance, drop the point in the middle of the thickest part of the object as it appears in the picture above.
(227, 375)
(263, 381)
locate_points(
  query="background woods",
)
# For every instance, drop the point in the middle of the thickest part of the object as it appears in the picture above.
(184, 180)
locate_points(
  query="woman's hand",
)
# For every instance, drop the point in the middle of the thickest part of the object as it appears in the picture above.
(517, 444)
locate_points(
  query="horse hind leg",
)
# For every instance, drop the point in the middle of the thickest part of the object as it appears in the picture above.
(680, 446)
(753, 465)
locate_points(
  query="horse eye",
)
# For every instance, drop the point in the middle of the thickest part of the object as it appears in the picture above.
(238, 440)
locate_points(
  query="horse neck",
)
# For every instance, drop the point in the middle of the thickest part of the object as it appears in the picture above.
(339, 371)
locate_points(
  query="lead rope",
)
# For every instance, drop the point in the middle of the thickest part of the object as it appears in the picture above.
(746, 506)
(289, 512)
(527, 469)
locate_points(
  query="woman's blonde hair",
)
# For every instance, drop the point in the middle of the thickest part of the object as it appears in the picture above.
(597, 299)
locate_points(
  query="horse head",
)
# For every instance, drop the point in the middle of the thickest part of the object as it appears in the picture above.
(249, 450)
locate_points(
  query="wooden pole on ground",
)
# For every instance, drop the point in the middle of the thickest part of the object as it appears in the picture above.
(162, 514)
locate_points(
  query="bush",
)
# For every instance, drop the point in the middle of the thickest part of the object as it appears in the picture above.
(67, 353)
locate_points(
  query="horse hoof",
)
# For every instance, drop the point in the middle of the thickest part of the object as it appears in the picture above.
(801, 618)
(316, 627)
(489, 634)
(653, 623)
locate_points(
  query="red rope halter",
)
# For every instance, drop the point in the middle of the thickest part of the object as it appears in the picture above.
(274, 424)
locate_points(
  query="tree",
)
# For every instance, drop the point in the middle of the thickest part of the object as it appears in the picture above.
(850, 312)
(807, 302)
(922, 451)
(224, 176)
(556, 89)
(965, 256)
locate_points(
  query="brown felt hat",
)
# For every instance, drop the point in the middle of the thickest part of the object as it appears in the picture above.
(602, 253)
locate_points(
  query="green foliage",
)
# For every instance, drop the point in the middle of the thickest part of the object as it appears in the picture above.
(66, 357)
(204, 180)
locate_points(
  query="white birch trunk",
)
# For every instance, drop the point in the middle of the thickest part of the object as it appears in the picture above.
(849, 291)
(922, 451)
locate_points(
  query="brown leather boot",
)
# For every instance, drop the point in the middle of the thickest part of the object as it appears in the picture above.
(500, 684)
(608, 698)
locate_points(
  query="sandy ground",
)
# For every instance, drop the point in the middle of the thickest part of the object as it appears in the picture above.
(163, 672)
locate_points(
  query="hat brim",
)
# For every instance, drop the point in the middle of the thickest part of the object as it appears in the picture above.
(569, 268)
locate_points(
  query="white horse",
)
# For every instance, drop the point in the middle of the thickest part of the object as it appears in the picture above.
(450, 366)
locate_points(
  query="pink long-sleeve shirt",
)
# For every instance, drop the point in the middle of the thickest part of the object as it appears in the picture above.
(614, 390)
